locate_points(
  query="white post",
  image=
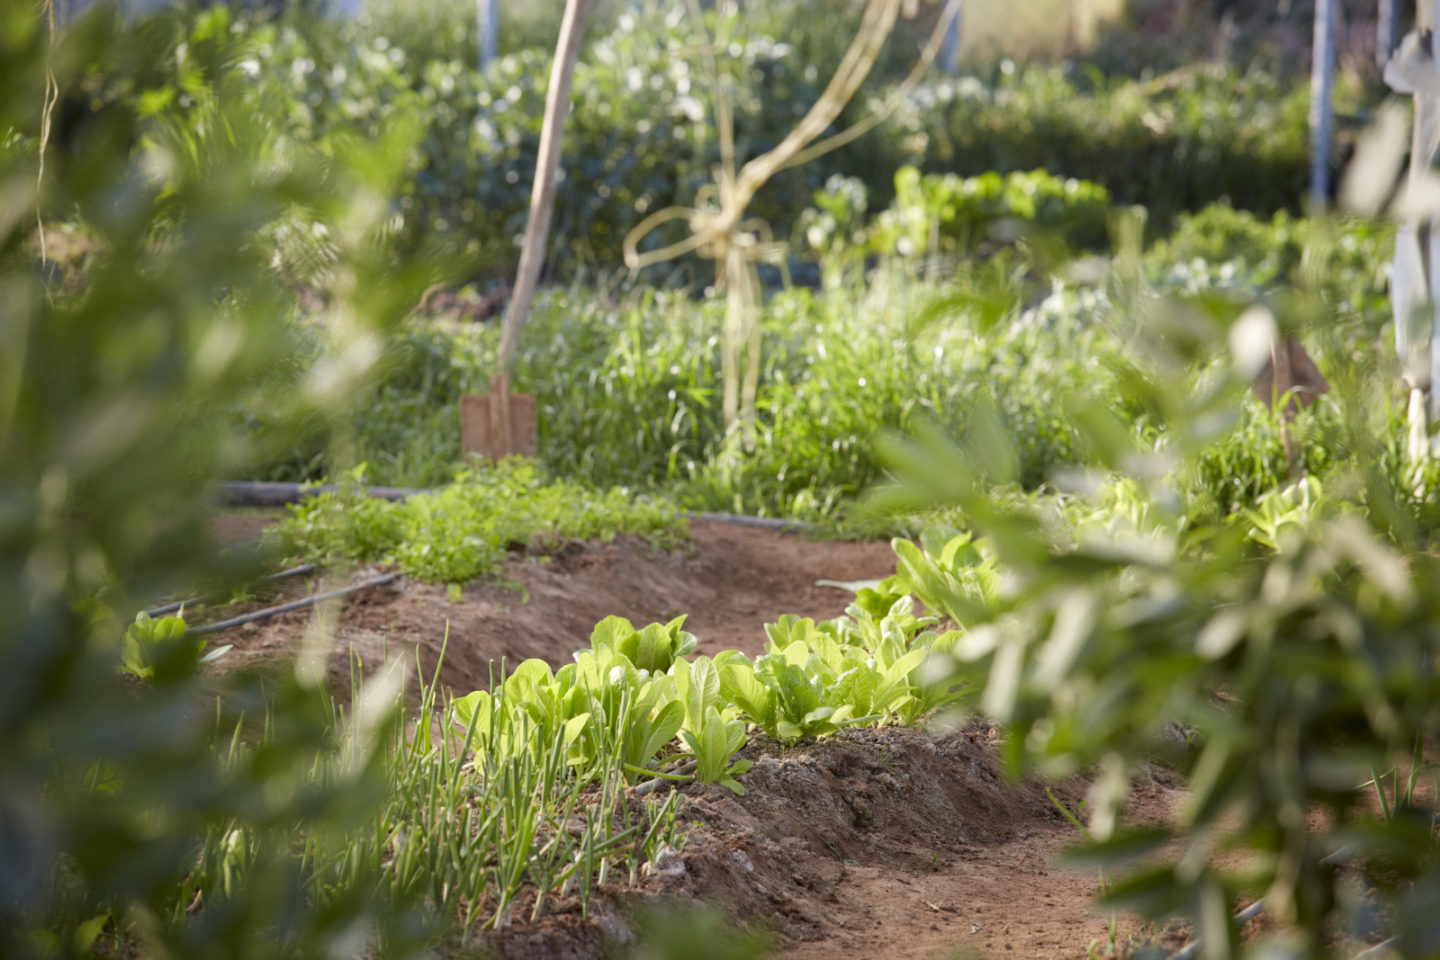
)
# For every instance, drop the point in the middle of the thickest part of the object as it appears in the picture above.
(1322, 83)
(487, 14)
(1413, 280)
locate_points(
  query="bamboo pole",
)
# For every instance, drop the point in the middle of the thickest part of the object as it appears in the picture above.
(542, 194)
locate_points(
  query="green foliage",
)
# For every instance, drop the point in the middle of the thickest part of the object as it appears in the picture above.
(950, 573)
(151, 645)
(639, 136)
(627, 383)
(815, 679)
(1347, 261)
(654, 648)
(1174, 144)
(465, 530)
(116, 391)
(1278, 657)
(949, 214)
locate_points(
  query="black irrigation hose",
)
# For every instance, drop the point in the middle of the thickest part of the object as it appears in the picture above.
(269, 578)
(247, 494)
(760, 523)
(257, 494)
(300, 604)
(1192, 950)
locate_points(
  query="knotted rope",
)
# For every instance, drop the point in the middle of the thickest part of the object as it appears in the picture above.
(719, 228)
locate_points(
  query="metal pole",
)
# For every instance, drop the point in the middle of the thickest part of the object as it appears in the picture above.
(950, 51)
(1387, 24)
(1322, 83)
(487, 13)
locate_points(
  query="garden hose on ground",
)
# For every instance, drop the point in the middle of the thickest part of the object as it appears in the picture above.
(164, 609)
(254, 494)
(300, 604)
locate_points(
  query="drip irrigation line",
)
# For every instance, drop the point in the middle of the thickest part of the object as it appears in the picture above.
(777, 524)
(1369, 953)
(650, 786)
(252, 494)
(1192, 949)
(300, 604)
(257, 494)
(268, 578)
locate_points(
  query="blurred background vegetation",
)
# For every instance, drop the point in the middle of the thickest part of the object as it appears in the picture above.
(1024, 157)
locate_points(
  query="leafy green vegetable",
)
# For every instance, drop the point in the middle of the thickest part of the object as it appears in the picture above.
(158, 645)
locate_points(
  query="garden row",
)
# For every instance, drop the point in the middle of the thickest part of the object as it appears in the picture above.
(628, 381)
(1096, 626)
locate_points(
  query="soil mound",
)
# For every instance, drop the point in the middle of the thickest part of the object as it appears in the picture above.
(883, 842)
(876, 842)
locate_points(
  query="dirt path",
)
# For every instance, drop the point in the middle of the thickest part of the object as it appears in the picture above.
(886, 842)
(896, 844)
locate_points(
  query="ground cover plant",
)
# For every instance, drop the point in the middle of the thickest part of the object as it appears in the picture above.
(465, 529)
(880, 344)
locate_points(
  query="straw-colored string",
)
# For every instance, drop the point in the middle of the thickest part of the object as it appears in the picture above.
(719, 229)
(47, 113)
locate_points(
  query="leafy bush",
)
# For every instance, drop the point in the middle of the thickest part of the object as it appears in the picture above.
(1175, 144)
(639, 136)
(1346, 261)
(1279, 657)
(945, 213)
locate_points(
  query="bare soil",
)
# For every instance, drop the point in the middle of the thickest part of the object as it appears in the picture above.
(729, 583)
(906, 843)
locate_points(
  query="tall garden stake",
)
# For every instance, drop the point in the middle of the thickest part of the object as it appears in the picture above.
(1322, 107)
(502, 425)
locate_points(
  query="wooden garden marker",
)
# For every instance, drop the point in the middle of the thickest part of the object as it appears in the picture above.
(498, 424)
(501, 424)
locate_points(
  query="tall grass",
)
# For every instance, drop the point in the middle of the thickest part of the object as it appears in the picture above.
(468, 835)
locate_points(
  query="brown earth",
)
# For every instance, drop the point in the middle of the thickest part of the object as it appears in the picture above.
(729, 583)
(887, 842)
(873, 843)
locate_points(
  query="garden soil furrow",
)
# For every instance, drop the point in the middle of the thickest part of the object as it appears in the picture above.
(880, 842)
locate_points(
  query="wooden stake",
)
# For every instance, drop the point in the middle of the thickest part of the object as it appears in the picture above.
(542, 193)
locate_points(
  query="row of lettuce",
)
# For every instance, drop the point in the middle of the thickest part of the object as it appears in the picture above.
(495, 804)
